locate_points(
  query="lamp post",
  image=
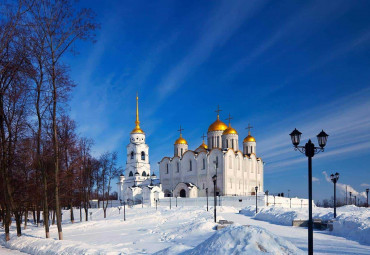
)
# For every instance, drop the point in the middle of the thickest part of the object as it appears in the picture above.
(355, 200)
(170, 199)
(124, 211)
(119, 209)
(290, 202)
(214, 179)
(256, 188)
(176, 201)
(334, 178)
(309, 150)
(267, 194)
(274, 200)
(207, 197)
(367, 197)
(350, 197)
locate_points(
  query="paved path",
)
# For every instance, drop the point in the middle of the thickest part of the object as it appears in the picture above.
(324, 243)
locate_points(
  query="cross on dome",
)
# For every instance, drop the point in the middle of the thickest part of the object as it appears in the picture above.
(180, 130)
(229, 119)
(218, 111)
(249, 128)
(203, 136)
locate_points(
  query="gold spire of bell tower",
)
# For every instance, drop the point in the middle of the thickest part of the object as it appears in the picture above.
(137, 128)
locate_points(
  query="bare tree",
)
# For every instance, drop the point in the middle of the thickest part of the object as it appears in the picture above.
(62, 25)
(108, 171)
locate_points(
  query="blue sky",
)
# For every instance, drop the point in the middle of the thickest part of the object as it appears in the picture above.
(278, 65)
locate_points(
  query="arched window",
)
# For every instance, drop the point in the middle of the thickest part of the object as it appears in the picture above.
(204, 164)
(167, 168)
(230, 162)
(232, 143)
(190, 165)
(181, 151)
(218, 141)
(131, 174)
(216, 162)
(142, 155)
(144, 173)
(203, 185)
(132, 155)
(227, 143)
(178, 167)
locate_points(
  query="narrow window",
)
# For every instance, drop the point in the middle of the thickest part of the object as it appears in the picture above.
(178, 167)
(230, 162)
(231, 183)
(142, 155)
(218, 141)
(132, 155)
(204, 164)
(181, 151)
(232, 143)
(227, 143)
(166, 168)
(144, 173)
(190, 166)
(131, 174)
(203, 185)
(216, 162)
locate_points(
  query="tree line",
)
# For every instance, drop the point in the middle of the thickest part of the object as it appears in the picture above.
(44, 163)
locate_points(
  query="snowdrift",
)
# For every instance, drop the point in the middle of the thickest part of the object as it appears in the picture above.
(352, 222)
(244, 240)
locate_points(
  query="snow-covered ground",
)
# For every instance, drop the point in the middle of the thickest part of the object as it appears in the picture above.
(182, 230)
(352, 222)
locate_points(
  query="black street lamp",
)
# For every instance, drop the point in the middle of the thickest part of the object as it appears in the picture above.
(267, 194)
(170, 199)
(367, 197)
(214, 179)
(350, 197)
(334, 178)
(256, 188)
(156, 202)
(274, 200)
(124, 211)
(207, 197)
(290, 202)
(355, 200)
(309, 150)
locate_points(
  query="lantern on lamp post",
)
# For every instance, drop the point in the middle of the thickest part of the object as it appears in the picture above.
(334, 178)
(309, 150)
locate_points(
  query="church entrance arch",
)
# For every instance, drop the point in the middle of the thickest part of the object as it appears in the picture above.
(182, 193)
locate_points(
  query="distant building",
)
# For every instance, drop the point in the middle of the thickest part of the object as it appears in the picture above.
(189, 173)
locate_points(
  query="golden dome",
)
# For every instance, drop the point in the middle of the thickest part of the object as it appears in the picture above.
(249, 138)
(203, 146)
(181, 140)
(218, 125)
(137, 129)
(229, 131)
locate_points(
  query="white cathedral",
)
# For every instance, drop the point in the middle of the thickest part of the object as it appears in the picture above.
(189, 173)
(138, 184)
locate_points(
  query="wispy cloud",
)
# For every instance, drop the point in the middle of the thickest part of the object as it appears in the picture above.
(365, 185)
(346, 120)
(310, 18)
(218, 28)
(344, 187)
(315, 179)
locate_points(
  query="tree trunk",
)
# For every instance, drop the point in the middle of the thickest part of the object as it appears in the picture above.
(25, 219)
(53, 221)
(72, 216)
(34, 216)
(86, 213)
(18, 223)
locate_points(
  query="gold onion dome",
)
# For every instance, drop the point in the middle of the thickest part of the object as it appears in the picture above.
(181, 140)
(249, 138)
(218, 125)
(203, 146)
(230, 131)
(137, 128)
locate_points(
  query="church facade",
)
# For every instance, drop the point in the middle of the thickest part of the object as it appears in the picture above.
(138, 184)
(189, 173)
